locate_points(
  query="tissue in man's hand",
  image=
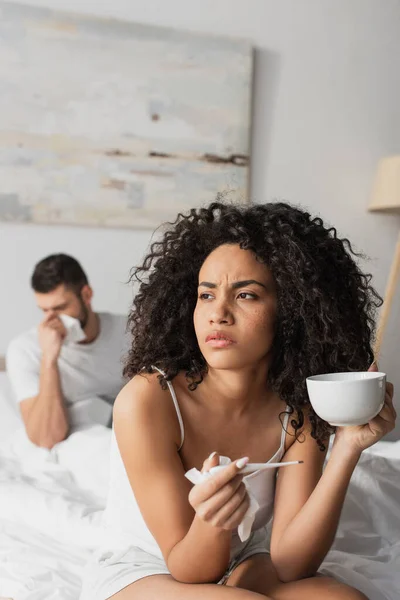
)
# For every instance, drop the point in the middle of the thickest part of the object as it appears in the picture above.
(75, 333)
(244, 529)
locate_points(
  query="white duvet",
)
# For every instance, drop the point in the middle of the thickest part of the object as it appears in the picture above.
(51, 504)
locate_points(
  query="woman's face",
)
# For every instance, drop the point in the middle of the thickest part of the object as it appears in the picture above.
(235, 313)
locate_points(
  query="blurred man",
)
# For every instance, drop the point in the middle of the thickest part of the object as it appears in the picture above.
(67, 372)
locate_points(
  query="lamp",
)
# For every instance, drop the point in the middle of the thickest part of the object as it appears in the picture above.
(386, 198)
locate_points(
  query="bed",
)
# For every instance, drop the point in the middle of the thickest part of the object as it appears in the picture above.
(51, 504)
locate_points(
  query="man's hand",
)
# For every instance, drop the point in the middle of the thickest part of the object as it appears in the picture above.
(51, 335)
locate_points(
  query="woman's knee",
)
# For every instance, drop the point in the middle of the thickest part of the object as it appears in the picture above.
(336, 590)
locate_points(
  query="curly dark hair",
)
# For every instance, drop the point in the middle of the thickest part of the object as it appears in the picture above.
(326, 305)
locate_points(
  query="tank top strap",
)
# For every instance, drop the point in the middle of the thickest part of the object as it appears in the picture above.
(176, 404)
(284, 428)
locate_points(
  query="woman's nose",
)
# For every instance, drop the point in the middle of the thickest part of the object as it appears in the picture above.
(221, 313)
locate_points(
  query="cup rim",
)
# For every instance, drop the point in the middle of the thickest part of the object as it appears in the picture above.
(321, 376)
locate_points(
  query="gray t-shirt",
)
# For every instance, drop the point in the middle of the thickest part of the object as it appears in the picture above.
(91, 374)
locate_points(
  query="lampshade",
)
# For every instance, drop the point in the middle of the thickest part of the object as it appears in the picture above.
(386, 188)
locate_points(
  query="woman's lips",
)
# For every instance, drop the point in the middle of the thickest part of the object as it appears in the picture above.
(220, 343)
(219, 340)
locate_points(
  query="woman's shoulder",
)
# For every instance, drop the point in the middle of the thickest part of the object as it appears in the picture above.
(142, 402)
(142, 392)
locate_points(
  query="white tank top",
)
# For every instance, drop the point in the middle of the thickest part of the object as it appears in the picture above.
(123, 521)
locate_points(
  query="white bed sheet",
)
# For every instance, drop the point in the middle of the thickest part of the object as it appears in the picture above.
(51, 505)
(9, 414)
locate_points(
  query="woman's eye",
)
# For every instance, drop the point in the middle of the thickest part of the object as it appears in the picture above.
(205, 296)
(245, 295)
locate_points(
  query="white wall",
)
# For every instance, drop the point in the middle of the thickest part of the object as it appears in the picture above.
(327, 107)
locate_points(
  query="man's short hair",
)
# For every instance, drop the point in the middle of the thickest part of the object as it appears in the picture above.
(55, 270)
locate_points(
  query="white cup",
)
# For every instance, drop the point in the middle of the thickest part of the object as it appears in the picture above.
(346, 399)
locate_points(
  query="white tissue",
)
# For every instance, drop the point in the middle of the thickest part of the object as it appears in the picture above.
(75, 333)
(244, 529)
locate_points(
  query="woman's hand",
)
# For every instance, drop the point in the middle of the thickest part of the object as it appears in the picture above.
(221, 500)
(361, 437)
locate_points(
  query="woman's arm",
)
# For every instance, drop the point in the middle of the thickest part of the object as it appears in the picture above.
(308, 507)
(148, 437)
(308, 503)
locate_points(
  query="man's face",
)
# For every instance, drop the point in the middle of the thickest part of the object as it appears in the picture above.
(64, 300)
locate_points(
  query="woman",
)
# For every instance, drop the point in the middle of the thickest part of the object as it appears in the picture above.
(237, 306)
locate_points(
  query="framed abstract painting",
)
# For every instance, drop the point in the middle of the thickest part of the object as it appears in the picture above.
(116, 124)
